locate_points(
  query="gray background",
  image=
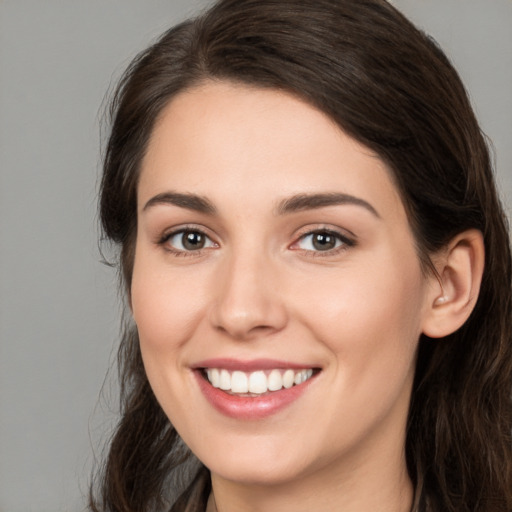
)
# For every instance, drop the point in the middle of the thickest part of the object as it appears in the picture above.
(58, 304)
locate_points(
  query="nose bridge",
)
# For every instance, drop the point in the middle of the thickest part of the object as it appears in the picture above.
(248, 300)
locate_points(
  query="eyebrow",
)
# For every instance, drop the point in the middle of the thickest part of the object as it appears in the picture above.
(301, 202)
(292, 204)
(188, 201)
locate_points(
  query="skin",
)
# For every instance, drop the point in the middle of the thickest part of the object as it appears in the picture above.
(260, 289)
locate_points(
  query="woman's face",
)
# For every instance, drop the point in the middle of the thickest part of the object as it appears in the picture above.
(276, 287)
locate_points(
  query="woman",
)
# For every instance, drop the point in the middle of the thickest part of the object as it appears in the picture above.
(317, 267)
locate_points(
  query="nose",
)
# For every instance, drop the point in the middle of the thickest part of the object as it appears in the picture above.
(248, 300)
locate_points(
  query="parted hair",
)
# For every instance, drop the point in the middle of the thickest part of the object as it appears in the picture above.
(390, 87)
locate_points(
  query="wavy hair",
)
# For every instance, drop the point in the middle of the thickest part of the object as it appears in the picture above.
(390, 87)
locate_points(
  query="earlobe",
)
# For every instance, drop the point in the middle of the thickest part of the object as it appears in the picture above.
(453, 296)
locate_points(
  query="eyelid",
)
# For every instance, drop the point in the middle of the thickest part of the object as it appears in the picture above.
(193, 228)
(346, 240)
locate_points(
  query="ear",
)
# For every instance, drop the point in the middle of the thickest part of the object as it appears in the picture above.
(453, 295)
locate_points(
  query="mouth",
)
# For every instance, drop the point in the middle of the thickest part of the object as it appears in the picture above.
(253, 390)
(258, 382)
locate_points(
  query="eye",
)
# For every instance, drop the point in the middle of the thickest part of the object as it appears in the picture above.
(188, 240)
(322, 241)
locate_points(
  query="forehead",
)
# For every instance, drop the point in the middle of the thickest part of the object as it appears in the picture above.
(248, 141)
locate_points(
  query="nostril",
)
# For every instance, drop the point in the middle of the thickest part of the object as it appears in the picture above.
(241, 331)
(248, 320)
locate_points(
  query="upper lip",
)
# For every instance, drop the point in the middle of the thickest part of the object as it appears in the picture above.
(250, 365)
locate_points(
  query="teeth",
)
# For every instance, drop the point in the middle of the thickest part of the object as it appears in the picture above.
(225, 380)
(275, 381)
(300, 377)
(214, 377)
(258, 382)
(288, 378)
(239, 382)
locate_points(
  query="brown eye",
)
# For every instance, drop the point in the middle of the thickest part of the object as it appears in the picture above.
(188, 240)
(192, 240)
(323, 241)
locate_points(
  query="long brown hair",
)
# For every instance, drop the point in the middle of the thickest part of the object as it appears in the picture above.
(390, 87)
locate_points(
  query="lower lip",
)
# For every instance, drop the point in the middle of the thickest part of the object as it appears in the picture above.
(250, 408)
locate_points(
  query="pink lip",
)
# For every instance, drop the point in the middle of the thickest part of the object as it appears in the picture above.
(245, 407)
(249, 366)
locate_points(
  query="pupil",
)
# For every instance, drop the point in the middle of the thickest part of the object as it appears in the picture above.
(193, 240)
(324, 241)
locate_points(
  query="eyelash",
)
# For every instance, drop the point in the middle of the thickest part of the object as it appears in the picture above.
(164, 241)
(342, 240)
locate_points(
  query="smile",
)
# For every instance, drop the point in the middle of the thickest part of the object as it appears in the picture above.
(257, 382)
(253, 390)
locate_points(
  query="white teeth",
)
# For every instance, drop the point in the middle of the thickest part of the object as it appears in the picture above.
(213, 375)
(275, 381)
(239, 382)
(257, 382)
(302, 376)
(288, 378)
(225, 380)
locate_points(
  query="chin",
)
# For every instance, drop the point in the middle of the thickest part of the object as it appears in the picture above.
(269, 473)
(260, 463)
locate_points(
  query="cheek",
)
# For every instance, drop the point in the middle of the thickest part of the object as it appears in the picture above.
(165, 309)
(369, 316)
(165, 305)
(371, 325)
